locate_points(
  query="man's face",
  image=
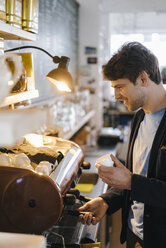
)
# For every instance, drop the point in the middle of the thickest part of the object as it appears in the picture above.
(132, 95)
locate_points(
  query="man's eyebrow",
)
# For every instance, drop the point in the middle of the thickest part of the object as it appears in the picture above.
(117, 86)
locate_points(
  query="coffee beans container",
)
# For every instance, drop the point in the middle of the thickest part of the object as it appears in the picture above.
(20, 13)
(14, 12)
(30, 10)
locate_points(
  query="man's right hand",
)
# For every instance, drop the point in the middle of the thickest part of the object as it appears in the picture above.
(97, 206)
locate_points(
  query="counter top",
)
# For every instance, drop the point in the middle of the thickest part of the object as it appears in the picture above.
(17, 240)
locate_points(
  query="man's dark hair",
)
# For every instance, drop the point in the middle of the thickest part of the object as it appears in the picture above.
(129, 61)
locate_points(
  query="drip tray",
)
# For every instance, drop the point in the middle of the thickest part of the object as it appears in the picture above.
(89, 178)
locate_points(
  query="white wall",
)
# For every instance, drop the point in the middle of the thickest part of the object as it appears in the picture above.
(93, 32)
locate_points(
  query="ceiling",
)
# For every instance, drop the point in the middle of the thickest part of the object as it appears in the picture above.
(118, 6)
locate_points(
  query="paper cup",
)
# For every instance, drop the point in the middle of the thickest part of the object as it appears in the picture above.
(105, 160)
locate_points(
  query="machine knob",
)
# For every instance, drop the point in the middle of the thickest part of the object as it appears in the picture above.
(69, 199)
(75, 192)
(86, 165)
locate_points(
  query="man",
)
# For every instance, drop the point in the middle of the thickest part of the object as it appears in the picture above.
(139, 188)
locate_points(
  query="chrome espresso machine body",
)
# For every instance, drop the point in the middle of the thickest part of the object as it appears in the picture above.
(35, 203)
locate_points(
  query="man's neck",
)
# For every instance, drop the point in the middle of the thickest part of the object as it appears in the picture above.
(156, 99)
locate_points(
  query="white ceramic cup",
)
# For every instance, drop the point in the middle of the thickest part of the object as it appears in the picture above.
(22, 161)
(50, 166)
(6, 160)
(43, 169)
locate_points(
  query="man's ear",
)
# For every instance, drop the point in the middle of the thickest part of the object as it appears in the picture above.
(143, 78)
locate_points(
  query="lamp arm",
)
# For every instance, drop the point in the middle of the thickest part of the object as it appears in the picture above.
(56, 59)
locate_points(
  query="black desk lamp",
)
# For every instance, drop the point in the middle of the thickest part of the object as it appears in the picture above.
(60, 76)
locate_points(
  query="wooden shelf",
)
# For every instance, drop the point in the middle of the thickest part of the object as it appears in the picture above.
(9, 32)
(15, 98)
(82, 122)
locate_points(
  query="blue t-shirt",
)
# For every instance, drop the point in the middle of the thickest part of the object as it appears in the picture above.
(141, 152)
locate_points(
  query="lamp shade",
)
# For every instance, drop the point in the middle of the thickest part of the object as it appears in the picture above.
(61, 78)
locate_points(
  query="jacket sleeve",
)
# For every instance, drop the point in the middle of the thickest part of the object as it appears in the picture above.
(150, 191)
(114, 198)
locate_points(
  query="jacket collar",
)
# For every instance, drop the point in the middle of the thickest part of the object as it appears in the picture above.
(156, 145)
(134, 130)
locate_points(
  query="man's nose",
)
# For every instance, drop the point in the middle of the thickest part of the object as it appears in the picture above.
(117, 94)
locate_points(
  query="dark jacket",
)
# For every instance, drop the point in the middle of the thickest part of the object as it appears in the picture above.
(150, 190)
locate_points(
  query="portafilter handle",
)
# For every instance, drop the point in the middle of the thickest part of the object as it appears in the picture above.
(77, 213)
(85, 198)
(75, 192)
(69, 199)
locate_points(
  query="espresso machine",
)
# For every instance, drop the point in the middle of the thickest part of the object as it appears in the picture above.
(36, 203)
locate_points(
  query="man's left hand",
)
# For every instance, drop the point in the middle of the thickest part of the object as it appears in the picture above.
(118, 177)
